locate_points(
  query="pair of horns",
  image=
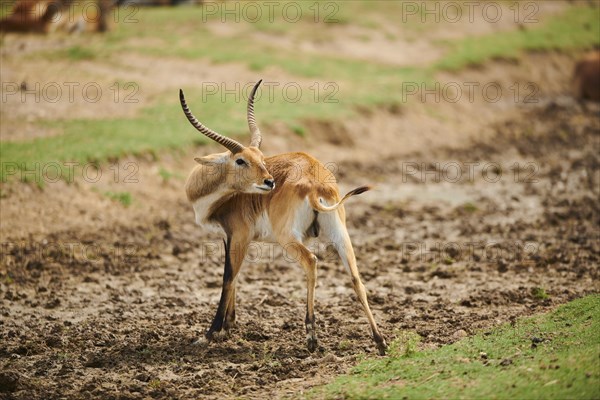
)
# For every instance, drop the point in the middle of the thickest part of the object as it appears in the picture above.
(230, 144)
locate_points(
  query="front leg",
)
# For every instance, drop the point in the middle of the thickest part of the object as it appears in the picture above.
(235, 251)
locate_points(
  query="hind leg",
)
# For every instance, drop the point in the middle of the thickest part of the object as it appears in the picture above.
(334, 230)
(308, 260)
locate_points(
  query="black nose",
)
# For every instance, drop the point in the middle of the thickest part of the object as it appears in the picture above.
(270, 183)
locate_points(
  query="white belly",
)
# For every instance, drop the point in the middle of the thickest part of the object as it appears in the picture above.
(303, 218)
(263, 230)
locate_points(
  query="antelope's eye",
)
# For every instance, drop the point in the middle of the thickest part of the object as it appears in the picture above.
(240, 161)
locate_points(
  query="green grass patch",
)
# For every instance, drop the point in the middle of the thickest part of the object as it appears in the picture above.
(167, 175)
(550, 356)
(405, 344)
(77, 53)
(299, 130)
(87, 141)
(576, 28)
(122, 197)
(163, 127)
(469, 207)
(539, 293)
(95, 141)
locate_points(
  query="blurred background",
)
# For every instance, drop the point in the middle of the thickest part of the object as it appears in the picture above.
(477, 121)
(327, 62)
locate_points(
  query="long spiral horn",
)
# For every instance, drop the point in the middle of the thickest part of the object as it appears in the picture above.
(230, 144)
(256, 137)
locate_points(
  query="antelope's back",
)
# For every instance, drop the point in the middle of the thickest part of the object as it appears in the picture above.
(301, 173)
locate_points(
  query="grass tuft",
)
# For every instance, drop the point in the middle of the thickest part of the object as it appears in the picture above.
(77, 53)
(405, 344)
(540, 293)
(122, 197)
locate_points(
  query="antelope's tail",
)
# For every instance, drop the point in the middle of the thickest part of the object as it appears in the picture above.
(316, 204)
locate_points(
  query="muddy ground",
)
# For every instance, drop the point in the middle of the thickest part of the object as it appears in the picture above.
(453, 240)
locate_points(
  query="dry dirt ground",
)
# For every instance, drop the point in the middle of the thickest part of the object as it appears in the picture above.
(102, 301)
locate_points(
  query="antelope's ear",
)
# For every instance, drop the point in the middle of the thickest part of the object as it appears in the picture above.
(218, 158)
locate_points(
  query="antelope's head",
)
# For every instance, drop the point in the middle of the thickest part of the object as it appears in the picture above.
(242, 168)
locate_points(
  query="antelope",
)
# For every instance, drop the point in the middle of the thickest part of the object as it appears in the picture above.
(286, 199)
(44, 16)
(31, 16)
(586, 77)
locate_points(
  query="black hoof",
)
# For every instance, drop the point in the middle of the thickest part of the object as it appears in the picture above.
(227, 326)
(217, 336)
(382, 348)
(311, 344)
